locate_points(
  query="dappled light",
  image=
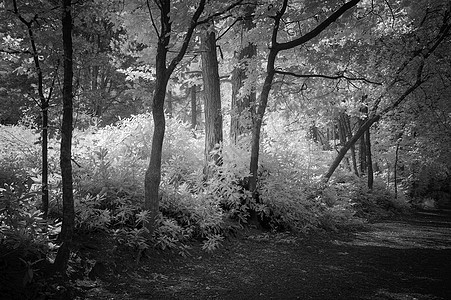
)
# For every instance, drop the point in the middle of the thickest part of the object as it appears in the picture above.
(402, 235)
(210, 149)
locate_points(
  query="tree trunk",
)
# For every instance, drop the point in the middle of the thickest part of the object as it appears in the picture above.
(270, 72)
(243, 104)
(369, 159)
(395, 169)
(44, 105)
(44, 150)
(347, 123)
(257, 123)
(194, 106)
(67, 228)
(348, 145)
(153, 173)
(342, 137)
(363, 143)
(212, 96)
(362, 153)
(169, 109)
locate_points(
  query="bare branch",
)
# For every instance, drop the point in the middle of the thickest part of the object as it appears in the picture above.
(342, 76)
(219, 13)
(151, 18)
(318, 29)
(186, 40)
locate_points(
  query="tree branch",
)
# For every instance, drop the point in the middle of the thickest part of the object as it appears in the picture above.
(186, 40)
(327, 77)
(151, 18)
(211, 17)
(318, 29)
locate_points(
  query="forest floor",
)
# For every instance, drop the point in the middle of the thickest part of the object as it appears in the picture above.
(400, 258)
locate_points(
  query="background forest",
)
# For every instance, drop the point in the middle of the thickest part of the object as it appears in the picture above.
(164, 121)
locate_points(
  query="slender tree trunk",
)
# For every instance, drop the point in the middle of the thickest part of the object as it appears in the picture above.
(67, 228)
(369, 160)
(212, 96)
(347, 123)
(243, 104)
(363, 143)
(342, 137)
(153, 173)
(362, 153)
(395, 169)
(270, 73)
(194, 106)
(45, 164)
(348, 145)
(257, 123)
(169, 110)
(44, 109)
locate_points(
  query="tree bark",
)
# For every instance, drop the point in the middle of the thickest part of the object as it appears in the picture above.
(395, 169)
(342, 136)
(347, 123)
(212, 97)
(275, 48)
(170, 100)
(43, 105)
(153, 173)
(194, 106)
(369, 159)
(67, 228)
(348, 145)
(242, 104)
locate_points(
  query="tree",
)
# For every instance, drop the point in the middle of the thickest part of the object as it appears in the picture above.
(212, 96)
(274, 50)
(68, 223)
(410, 72)
(31, 25)
(163, 73)
(242, 104)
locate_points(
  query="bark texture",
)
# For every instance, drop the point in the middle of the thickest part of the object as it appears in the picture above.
(66, 143)
(243, 104)
(212, 96)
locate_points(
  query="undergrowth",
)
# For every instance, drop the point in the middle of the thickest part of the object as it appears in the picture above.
(109, 167)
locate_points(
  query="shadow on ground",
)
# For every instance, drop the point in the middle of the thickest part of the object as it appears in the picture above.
(403, 259)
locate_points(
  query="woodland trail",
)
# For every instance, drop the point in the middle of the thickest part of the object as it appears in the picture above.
(403, 259)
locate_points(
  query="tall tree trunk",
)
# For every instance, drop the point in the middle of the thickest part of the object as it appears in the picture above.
(153, 173)
(212, 96)
(45, 164)
(68, 224)
(275, 48)
(362, 152)
(342, 137)
(44, 105)
(347, 123)
(169, 109)
(365, 126)
(395, 169)
(241, 105)
(369, 159)
(194, 106)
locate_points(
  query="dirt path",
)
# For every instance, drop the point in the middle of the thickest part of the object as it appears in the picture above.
(402, 259)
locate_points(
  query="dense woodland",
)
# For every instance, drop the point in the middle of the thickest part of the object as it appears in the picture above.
(161, 122)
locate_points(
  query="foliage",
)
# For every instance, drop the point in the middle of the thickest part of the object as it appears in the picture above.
(22, 229)
(375, 203)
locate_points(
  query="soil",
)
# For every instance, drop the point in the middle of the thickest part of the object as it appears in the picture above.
(401, 258)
